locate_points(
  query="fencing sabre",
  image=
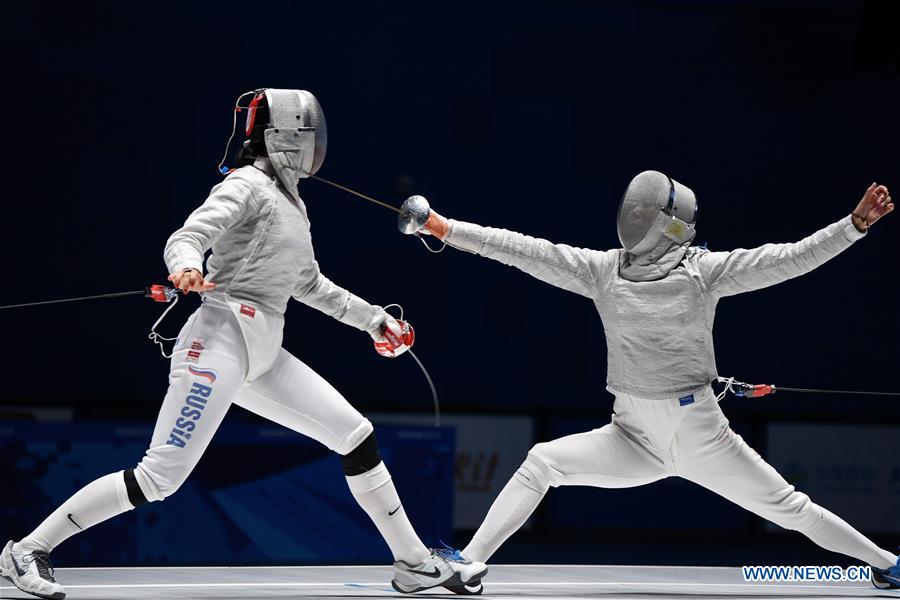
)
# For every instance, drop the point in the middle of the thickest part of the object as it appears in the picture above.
(162, 293)
(411, 217)
(751, 390)
(412, 214)
(158, 293)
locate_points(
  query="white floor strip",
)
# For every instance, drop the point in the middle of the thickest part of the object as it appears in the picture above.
(221, 567)
(496, 584)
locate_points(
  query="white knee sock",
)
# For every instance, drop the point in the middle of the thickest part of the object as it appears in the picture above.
(508, 512)
(835, 534)
(376, 494)
(94, 503)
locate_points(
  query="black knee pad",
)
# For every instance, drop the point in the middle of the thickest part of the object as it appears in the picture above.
(135, 494)
(364, 457)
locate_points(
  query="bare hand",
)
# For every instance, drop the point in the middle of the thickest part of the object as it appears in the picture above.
(437, 226)
(190, 280)
(875, 203)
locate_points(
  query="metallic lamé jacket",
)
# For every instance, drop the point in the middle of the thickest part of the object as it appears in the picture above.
(262, 251)
(658, 333)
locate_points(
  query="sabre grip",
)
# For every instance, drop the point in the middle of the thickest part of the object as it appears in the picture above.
(392, 344)
(437, 225)
(160, 293)
(755, 390)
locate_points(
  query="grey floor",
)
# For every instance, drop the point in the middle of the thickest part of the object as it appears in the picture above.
(545, 582)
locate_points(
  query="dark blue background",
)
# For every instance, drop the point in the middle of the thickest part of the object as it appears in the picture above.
(531, 116)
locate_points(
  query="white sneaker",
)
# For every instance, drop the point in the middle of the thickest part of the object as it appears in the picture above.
(30, 572)
(439, 569)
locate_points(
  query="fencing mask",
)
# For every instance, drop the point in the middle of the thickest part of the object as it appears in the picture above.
(656, 223)
(291, 125)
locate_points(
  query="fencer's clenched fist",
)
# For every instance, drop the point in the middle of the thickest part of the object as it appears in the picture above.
(190, 280)
(875, 203)
(393, 337)
(437, 226)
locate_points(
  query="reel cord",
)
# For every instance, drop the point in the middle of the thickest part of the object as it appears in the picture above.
(750, 390)
(434, 394)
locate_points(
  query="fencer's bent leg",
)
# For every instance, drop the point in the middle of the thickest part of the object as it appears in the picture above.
(606, 457)
(712, 455)
(295, 396)
(196, 402)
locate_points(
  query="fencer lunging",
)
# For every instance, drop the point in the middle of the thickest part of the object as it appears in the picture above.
(229, 352)
(657, 298)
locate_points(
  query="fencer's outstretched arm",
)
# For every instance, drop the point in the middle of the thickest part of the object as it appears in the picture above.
(319, 292)
(729, 273)
(577, 270)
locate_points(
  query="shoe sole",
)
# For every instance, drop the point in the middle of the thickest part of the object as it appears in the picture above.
(463, 590)
(454, 581)
(884, 582)
(885, 585)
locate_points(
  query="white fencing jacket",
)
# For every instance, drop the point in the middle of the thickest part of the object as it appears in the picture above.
(658, 333)
(262, 255)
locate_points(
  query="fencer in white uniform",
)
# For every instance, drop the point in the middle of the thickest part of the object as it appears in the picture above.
(229, 352)
(657, 298)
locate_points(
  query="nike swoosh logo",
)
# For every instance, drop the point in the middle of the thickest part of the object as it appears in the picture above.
(74, 523)
(19, 569)
(391, 514)
(434, 574)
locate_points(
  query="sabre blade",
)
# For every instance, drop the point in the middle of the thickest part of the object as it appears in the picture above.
(749, 390)
(413, 213)
(96, 297)
(355, 193)
(847, 392)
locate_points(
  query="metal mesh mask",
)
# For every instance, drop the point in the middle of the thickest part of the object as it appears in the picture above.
(655, 207)
(296, 136)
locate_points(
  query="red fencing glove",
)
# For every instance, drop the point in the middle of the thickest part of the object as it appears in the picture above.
(393, 338)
